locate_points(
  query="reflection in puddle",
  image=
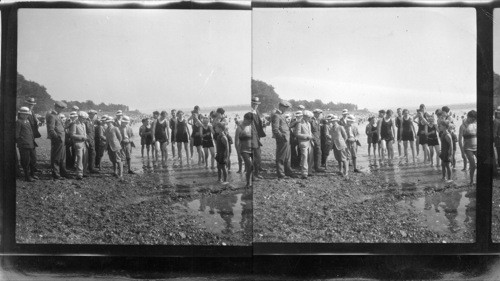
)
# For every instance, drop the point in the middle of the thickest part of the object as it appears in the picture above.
(447, 212)
(225, 214)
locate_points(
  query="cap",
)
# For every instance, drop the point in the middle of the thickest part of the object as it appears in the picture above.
(298, 113)
(255, 100)
(125, 119)
(92, 111)
(73, 114)
(285, 103)
(317, 110)
(345, 111)
(62, 115)
(60, 104)
(301, 107)
(30, 101)
(24, 110)
(350, 118)
(83, 114)
(308, 113)
(119, 113)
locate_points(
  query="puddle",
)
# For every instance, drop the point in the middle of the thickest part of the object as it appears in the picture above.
(446, 213)
(224, 214)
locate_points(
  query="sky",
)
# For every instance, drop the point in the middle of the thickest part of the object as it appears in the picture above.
(376, 57)
(146, 59)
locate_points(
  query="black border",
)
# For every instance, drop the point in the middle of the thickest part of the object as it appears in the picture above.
(483, 244)
(7, 177)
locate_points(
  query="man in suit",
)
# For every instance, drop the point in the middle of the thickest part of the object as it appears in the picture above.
(30, 104)
(305, 137)
(79, 135)
(259, 129)
(90, 126)
(316, 131)
(56, 134)
(281, 132)
(294, 143)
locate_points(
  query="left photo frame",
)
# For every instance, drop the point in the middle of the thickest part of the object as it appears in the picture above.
(124, 123)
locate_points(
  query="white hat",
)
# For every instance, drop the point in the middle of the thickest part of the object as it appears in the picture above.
(350, 118)
(83, 114)
(73, 114)
(317, 110)
(345, 111)
(119, 112)
(301, 107)
(308, 113)
(298, 113)
(329, 117)
(125, 119)
(24, 110)
(335, 118)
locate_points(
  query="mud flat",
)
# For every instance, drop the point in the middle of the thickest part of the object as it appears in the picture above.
(387, 202)
(174, 205)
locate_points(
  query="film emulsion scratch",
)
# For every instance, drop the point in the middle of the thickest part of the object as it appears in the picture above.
(126, 123)
(370, 125)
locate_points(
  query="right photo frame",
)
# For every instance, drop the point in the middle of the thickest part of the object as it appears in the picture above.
(369, 125)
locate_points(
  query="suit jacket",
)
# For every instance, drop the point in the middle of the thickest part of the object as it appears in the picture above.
(338, 137)
(354, 132)
(24, 134)
(55, 127)
(78, 132)
(90, 130)
(303, 131)
(257, 122)
(280, 128)
(113, 138)
(127, 134)
(34, 125)
(315, 130)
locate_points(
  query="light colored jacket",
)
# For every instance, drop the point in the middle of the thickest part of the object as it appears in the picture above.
(303, 131)
(338, 136)
(78, 133)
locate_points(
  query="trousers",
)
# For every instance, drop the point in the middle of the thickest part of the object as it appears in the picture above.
(58, 158)
(306, 157)
(82, 157)
(283, 158)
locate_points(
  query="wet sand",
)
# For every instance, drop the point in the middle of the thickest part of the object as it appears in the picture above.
(157, 205)
(387, 202)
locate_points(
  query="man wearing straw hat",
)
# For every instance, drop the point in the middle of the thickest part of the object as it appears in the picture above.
(30, 104)
(303, 131)
(126, 141)
(90, 127)
(257, 125)
(316, 131)
(79, 136)
(118, 119)
(26, 144)
(294, 143)
(57, 135)
(281, 132)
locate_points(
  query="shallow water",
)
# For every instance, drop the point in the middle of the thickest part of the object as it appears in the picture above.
(449, 212)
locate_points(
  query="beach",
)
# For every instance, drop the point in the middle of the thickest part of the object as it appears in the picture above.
(385, 203)
(166, 206)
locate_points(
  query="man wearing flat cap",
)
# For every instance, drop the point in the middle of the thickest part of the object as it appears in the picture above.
(30, 104)
(259, 130)
(90, 129)
(281, 132)
(57, 135)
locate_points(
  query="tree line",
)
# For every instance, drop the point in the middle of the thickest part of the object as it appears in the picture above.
(44, 102)
(270, 99)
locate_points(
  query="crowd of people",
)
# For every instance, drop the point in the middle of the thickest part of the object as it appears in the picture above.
(305, 138)
(80, 141)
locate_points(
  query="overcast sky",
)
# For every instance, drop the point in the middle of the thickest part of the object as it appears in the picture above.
(376, 58)
(146, 59)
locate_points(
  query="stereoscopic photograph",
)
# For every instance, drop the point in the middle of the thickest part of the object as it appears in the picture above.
(368, 125)
(129, 127)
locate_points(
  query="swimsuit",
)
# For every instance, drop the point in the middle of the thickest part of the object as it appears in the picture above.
(407, 134)
(207, 140)
(386, 130)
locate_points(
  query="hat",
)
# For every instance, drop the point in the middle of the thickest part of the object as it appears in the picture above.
(73, 114)
(60, 104)
(255, 100)
(74, 107)
(345, 111)
(119, 113)
(317, 110)
(285, 103)
(83, 114)
(110, 119)
(350, 118)
(125, 119)
(498, 109)
(301, 107)
(104, 118)
(24, 110)
(335, 118)
(92, 111)
(30, 101)
(329, 117)
(308, 113)
(62, 115)
(298, 113)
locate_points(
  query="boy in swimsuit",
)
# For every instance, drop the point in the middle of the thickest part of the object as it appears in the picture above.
(386, 131)
(446, 154)
(182, 136)
(146, 137)
(222, 151)
(207, 132)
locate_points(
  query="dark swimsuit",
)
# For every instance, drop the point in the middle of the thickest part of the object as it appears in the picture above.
(407, 134)
(432, 137)
(207, 140)
(386, 131)
(182, 135)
